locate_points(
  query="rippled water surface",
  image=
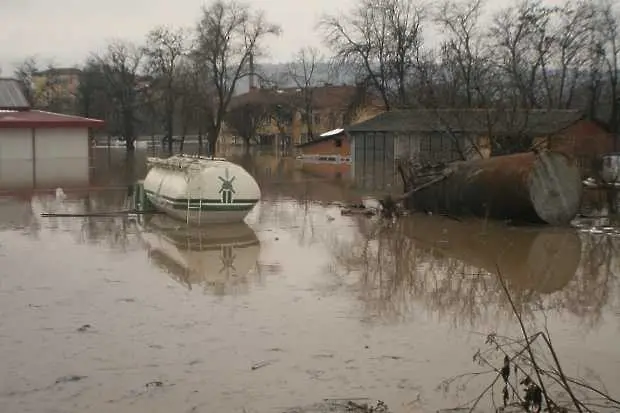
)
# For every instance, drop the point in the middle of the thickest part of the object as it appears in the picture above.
(140, 314)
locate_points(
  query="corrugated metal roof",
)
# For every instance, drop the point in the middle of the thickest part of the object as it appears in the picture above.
(39, 118)
(542, 122)
(11, 95)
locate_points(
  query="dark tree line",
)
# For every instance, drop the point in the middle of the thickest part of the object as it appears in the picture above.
(529, 55)
(178, 80)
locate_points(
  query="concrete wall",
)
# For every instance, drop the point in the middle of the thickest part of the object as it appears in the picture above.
(61, 143)
(16, 144)
(44, 174)
(53, 143)
(61, 158)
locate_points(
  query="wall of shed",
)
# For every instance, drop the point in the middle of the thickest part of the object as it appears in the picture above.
(433, 147)
(44, 174)
(61, 157)
(62, 143)
(373, 159)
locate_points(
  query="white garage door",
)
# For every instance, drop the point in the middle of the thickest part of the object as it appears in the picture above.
(61, 143)
(15, 144)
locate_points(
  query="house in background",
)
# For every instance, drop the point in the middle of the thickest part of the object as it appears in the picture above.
(38, 148)
(332, 107)
(444, 135)
(55, 82)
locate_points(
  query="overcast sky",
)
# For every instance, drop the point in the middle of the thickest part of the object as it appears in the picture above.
(65, 31)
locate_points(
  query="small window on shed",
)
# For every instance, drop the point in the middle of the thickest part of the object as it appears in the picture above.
(338, 142)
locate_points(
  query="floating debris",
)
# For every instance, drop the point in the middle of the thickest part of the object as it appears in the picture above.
(84, 328)
(69, 379)
(261, 364)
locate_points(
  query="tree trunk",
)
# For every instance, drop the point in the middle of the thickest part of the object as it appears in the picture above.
(524, 187)
(183, 133)
(246, 144)
(211, 142)
(200, 138)
(128, 130)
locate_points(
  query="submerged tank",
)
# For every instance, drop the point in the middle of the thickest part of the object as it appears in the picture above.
(200, 190)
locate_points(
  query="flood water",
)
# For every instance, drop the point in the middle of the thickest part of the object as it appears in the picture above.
(140, 314)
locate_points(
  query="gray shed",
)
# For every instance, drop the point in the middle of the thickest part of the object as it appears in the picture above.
(442, 135)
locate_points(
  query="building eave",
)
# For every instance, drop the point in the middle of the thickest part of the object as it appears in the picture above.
(33, 124)
(37, 119)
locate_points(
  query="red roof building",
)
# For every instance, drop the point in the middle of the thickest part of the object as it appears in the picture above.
(38, 148)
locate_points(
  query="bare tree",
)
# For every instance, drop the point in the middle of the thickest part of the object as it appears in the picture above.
(120, 65)
(384, 39)
(572, 41)
(23, 72)
(190, 107)
(91, 100)
(303, 72)
(523, 45)
(227, 35)
(464, 53)
(608, 48)
(165, 47)
(247, 120)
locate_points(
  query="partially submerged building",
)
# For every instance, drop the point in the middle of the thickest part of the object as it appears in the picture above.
(333, 145)
(328, 156)
(332, 106)
(444, 135)
(39, 148)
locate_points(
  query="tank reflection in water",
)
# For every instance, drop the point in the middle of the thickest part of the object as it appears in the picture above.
(452, 267)
(219, 257)
(538, 259)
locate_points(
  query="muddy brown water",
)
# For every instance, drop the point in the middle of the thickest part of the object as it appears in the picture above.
(300, 304)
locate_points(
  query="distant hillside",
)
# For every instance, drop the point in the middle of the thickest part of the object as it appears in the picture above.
(277, 73)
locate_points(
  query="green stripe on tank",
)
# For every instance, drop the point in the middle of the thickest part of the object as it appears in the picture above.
(205, 204)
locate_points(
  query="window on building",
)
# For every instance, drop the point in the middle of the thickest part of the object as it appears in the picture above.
(317, 119)
(338, 142)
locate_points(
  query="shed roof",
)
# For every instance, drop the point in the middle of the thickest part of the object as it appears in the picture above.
(42, 119)
(11, 95)
(483, 121)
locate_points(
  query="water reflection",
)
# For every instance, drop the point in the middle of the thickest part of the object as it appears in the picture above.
(20, 174)
(13, 215)
(451, 268)
(218, 258)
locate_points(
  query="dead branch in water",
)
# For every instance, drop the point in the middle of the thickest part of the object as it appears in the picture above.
(520, 358)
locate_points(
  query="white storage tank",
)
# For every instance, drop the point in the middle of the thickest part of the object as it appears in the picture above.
(201, 190)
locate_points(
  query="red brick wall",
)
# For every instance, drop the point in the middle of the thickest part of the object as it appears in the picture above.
(585, 140)
(328, 147)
